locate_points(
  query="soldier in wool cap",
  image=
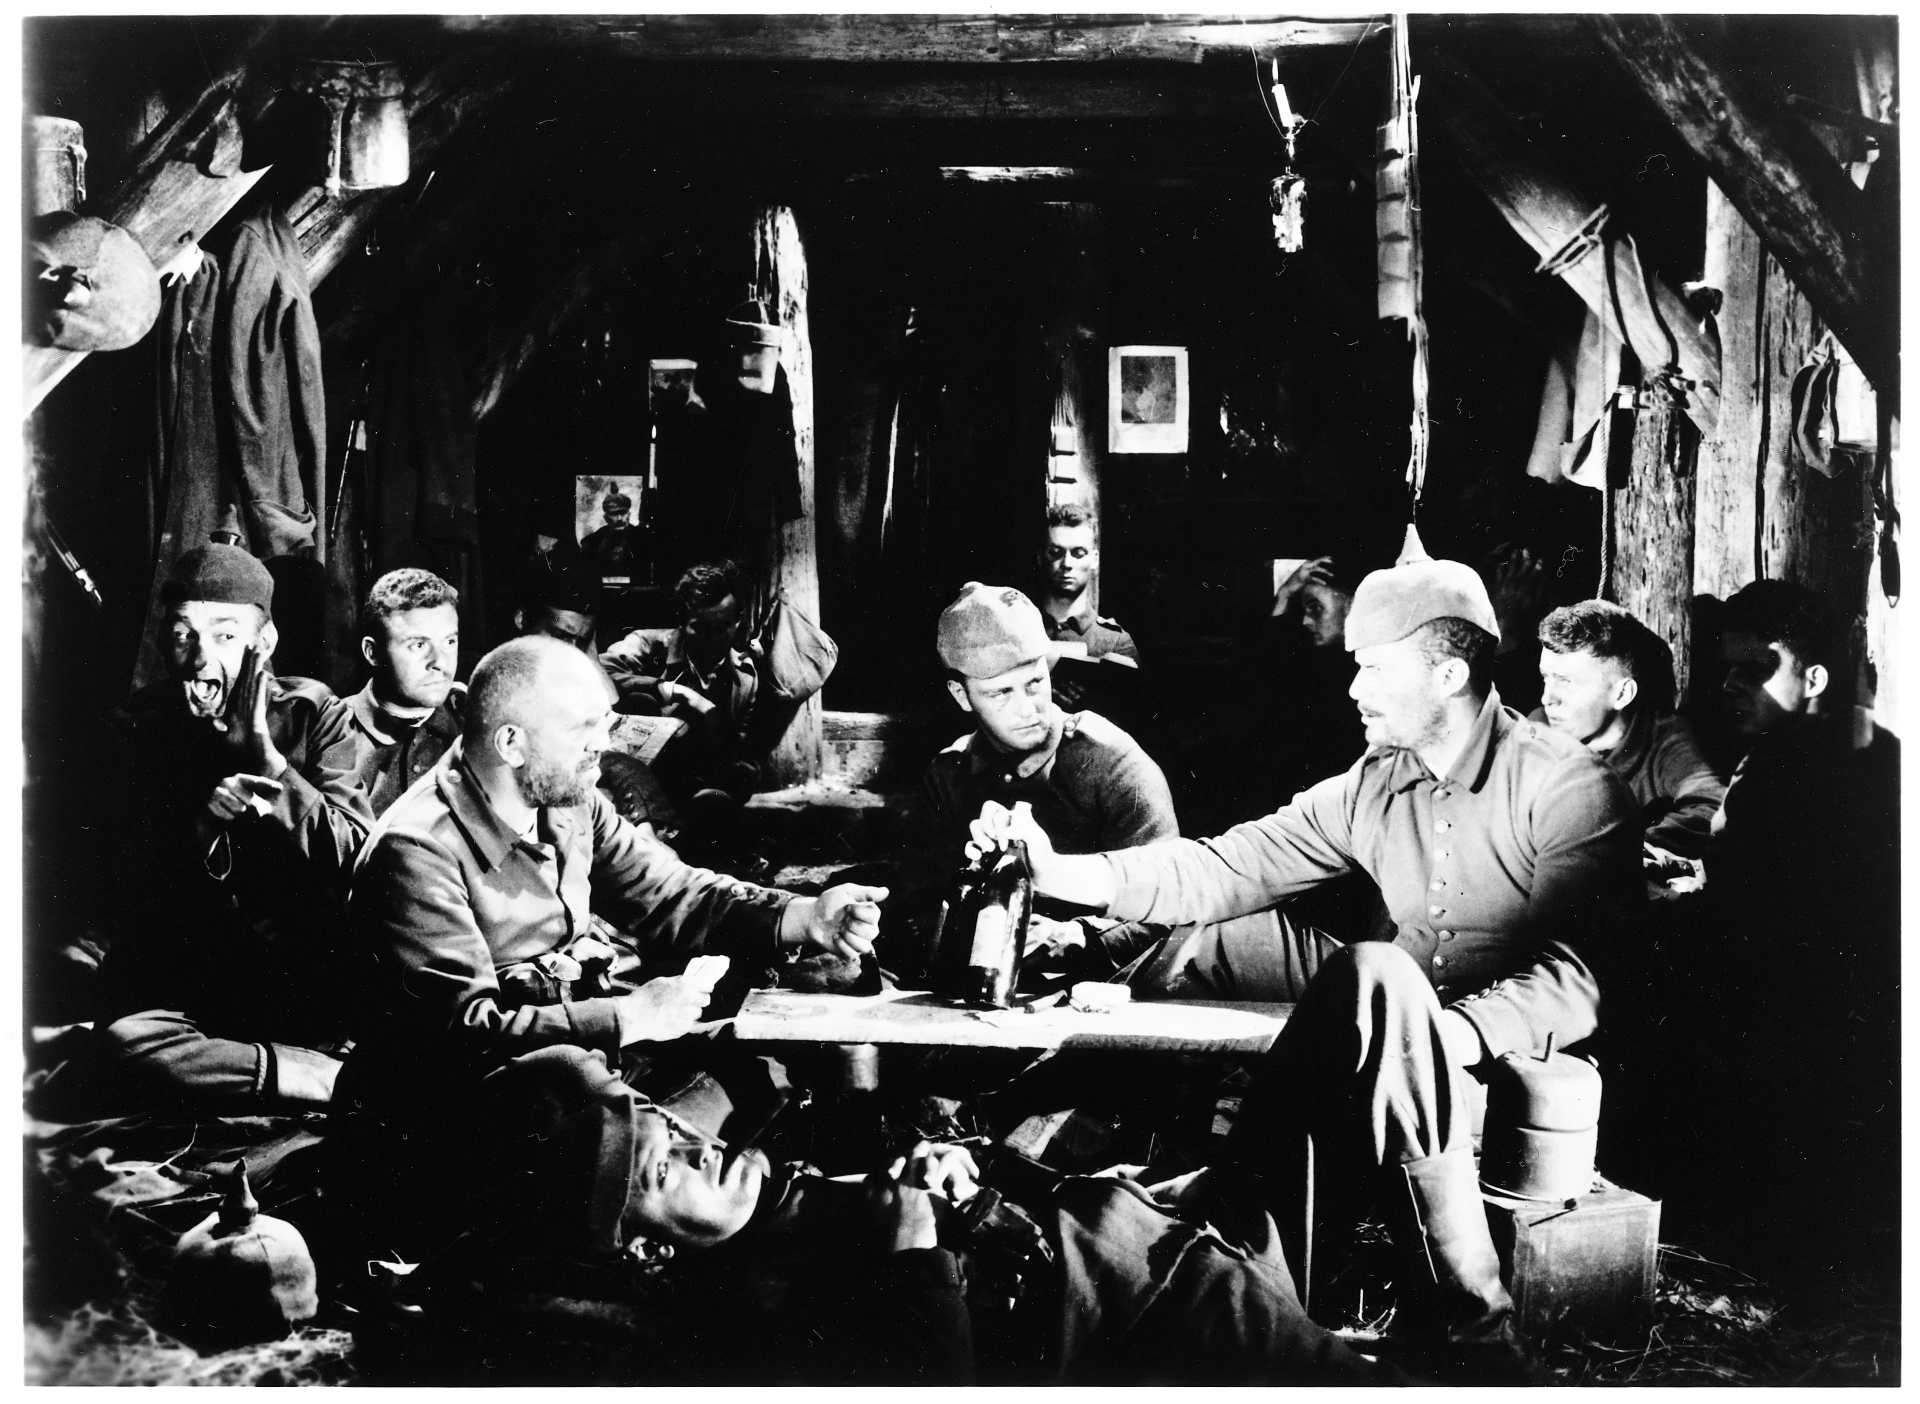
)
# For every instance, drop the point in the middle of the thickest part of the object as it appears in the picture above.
(1090, 785)
(1507, 856)
(228, 976)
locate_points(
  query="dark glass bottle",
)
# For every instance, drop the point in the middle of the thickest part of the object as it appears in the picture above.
(983, 928)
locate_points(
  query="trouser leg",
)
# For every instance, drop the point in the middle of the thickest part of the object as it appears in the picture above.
(1361, 1068)
(1269, 956)
(1226, 1319)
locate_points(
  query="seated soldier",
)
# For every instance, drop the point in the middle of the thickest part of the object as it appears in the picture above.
(757, 1274)
(1608, 683)
(411, 709)
(1091, 786)
(560, 604)
(229, 972)
(701, 674)
(1506, 856)
(494, 998)
(1792, 951)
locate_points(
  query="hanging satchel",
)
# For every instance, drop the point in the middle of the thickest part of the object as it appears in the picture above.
(799, 655)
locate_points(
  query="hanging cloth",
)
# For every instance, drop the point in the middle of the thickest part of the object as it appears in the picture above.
(1574, 432)
(241, 408)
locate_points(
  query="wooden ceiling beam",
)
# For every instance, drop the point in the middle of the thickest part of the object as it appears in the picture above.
(1004, 39)
(1548, 210)
(1779, 176)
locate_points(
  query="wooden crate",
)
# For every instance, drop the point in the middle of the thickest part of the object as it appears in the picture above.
(1587, 1268)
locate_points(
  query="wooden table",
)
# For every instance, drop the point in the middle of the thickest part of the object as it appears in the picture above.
(915, 1017)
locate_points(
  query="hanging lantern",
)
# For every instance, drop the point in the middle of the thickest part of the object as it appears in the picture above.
(366, 115)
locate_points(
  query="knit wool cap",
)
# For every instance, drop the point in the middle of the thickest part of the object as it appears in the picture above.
(220, 575)
(990, 630)
(1392, 603)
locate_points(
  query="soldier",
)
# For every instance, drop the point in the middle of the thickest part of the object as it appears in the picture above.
(229, 974)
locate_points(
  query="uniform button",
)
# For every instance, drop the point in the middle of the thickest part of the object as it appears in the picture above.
(1440, 988)
(1439, 883)
(1442, 825)
(1446, 935)
(1436, 911)
(1439, 960)
(1445, 854)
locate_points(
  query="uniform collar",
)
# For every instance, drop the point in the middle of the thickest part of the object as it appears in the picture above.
(382, 725)
(486, 832)
(1079, 620)
(1475, 761)
(985, 756)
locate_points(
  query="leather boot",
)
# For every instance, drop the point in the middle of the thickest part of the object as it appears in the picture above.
(1478, 1340)
(303, 1077)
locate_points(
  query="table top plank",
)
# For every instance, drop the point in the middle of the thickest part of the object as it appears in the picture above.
(916, 1017)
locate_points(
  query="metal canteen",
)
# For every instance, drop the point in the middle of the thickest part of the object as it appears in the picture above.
(368, 147)
(1543, 1124)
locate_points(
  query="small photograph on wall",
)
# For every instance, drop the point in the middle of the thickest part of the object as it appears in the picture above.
(606, 511)
(1147, 399)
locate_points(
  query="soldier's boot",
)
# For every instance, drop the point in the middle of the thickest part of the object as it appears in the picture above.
(1469, 1315)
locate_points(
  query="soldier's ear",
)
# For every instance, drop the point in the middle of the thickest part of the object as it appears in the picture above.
(268, 637)
(1816, 679)
(510, 744)
(367, 650)
(959, 692)
(1624, 692)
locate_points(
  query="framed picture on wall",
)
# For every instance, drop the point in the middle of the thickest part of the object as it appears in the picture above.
(605, 510)
(1147, 399)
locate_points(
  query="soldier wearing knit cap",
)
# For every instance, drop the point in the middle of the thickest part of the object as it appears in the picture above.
(1507, 859)
(230, 858)
(1089, 784)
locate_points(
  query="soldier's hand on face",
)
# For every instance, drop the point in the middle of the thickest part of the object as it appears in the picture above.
(1315, 572)
(846, 919)
(901, 1214)
(665, 1009)
(946, 1170)
(245, 722)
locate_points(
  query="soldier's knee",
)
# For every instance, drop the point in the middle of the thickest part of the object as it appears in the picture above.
(1368, 965)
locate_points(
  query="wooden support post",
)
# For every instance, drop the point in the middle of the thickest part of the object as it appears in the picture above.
(1071, 266)
(780, 279)
(1779, 176)
(1653, 526)
(1733, 459)
(1766, 514)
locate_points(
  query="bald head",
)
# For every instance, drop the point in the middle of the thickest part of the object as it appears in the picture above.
(542, 710)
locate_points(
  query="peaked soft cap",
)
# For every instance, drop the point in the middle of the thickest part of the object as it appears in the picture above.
(990, 630)
(1392, 603)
